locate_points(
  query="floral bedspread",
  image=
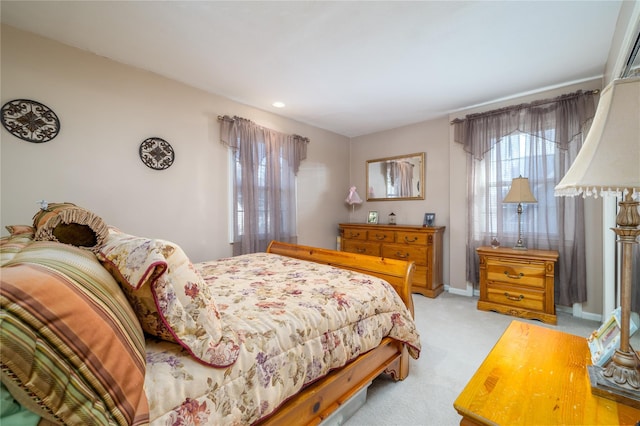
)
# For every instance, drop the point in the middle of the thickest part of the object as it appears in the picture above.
(294, 320)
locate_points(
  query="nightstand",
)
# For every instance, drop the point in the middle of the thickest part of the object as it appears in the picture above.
(518, 282)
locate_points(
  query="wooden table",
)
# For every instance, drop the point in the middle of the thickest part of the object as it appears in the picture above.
(537, 376)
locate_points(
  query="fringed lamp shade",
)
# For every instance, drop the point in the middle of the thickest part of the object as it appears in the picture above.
(609, 162)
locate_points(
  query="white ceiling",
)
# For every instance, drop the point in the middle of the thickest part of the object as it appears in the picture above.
(351, 67)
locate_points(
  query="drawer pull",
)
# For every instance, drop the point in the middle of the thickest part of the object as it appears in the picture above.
(514, 298)
(413, 240)
(380, 237)
(514, 277)
(402, 255)
(359, 250)
(355, 234)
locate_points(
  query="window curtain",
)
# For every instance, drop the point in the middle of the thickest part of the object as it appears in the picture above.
(539, 141)
(264, 167)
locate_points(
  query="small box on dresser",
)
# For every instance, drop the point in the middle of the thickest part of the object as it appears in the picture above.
(423, 245)
(518, 282)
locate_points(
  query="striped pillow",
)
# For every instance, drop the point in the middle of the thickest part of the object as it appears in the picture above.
(71, 348)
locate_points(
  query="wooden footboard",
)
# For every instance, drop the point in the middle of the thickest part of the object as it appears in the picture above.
(317, 401)
(398, 273)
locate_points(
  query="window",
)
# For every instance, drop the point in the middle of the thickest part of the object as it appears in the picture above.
(507, 160)
(539, 141)
(264, 164)
(265, 220)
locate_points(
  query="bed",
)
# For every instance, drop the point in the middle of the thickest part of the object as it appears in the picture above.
(113, 335)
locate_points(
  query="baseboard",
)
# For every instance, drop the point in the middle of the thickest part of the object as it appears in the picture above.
(460, 292)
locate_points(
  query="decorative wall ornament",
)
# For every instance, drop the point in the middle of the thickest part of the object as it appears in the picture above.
(30, 120)
(156, 153)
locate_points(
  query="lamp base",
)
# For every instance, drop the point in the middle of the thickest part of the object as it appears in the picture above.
(624, 367)
(520, 245)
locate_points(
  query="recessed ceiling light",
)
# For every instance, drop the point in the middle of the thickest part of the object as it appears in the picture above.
(278, 104)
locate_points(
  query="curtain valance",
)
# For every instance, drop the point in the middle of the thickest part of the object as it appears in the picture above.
(557, 120)
(232, 130)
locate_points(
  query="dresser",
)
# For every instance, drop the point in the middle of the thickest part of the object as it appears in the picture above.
(422, 245)
(518, 282)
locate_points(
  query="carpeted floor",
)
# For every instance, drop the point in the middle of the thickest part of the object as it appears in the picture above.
(456, 338)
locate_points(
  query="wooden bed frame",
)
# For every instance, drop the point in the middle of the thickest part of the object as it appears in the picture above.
(317, 401)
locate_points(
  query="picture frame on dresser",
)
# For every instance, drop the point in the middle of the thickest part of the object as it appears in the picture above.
(429, 219)
(373, 217)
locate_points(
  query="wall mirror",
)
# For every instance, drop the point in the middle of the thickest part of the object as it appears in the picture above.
(396, 178)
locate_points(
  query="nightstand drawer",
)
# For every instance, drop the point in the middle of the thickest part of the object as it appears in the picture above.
(411, 238)
(405, 252)
(516, 297)
(381, 235)
(355, 234)
(361, 247)
(530, 274)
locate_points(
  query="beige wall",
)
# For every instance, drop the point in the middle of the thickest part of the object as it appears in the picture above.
(106, 109)
(430, 137)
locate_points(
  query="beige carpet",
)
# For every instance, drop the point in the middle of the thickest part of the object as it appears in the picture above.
(456, 338)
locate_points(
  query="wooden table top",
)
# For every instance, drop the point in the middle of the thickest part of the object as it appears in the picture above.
(538, 376)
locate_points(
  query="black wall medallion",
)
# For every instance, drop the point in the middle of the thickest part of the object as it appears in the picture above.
(30, 120)
(156, 153)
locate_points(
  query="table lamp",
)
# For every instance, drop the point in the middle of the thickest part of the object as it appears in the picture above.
(609, 163)
(519, 193)
(353, 198)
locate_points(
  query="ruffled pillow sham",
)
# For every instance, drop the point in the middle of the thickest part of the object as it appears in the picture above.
(169, 296)
(69, 224)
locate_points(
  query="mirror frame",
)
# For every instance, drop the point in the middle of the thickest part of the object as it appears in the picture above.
(419, 156)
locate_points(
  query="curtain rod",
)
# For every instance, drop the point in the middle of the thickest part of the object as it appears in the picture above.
(226, 117)
(221, 117)
(534, 103)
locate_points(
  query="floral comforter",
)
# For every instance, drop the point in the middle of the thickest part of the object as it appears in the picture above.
(294, 320)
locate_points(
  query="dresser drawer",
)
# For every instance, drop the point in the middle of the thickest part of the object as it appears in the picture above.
(380, 236)
(530, 274)
(406, 252)
(419, 244)
(411, 238)
(355, 234)
(361, 247)
(516, 297)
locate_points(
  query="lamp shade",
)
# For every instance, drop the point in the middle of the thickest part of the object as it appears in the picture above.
(609, 160)
(353, 197)
(520, 192)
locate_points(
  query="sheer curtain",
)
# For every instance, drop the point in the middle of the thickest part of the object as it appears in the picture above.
(264, 166)
(539, 141)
